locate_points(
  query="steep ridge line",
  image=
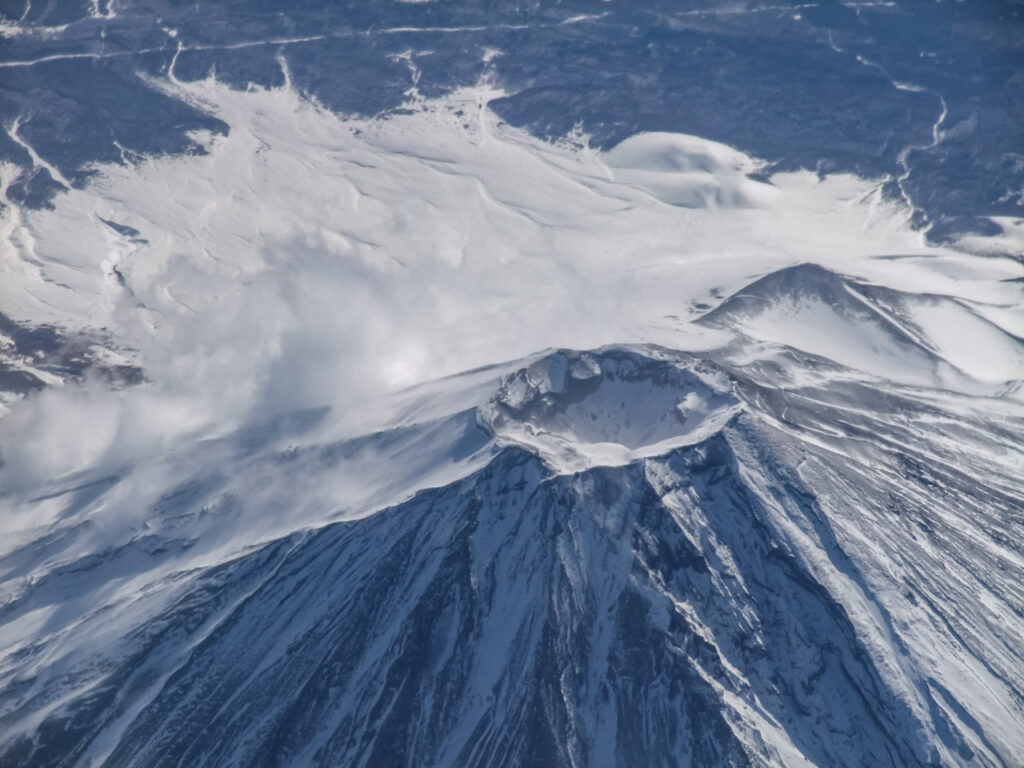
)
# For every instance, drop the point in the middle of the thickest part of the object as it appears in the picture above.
(529, 593)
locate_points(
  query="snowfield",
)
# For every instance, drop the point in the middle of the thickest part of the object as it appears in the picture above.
(453, 446)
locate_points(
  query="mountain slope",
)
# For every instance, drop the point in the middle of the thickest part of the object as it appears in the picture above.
(804, 582)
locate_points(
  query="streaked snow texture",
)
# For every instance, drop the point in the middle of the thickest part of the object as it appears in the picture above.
(335, 526)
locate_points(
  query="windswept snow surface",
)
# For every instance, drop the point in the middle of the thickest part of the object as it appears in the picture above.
(353, 511)
(310, 259)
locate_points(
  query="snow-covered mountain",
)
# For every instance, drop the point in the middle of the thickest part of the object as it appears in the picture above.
(467, 384)
(652, 558)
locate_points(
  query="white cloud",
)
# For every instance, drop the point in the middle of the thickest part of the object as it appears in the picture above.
(313, 259)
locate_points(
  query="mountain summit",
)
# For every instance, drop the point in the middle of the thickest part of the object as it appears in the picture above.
(661, 560)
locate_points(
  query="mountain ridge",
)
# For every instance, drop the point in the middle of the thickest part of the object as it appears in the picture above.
(526, 613)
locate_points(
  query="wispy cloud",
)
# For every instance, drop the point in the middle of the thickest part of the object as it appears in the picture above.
(311, 259)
